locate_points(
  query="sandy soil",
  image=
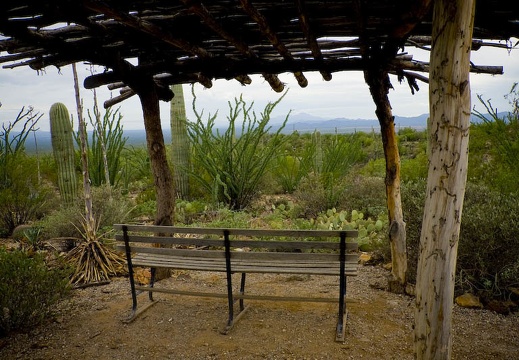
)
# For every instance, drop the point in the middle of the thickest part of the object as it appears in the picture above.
(379, 324)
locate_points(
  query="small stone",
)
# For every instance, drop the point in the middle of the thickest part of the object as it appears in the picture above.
(142, 276)
(502, 307)
(364, 258)
(410, 289)
(469, 300)
(388, 266)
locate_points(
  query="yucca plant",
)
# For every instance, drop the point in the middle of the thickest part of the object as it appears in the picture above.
(92, 259)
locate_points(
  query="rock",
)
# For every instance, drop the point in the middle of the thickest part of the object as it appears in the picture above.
(18, 232)
(410, 289)
(469, 300)
(388, 266)
(364, 258)
(142, 276)
(515, 292)
(502, 307)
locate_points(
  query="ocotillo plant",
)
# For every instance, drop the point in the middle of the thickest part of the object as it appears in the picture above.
(180, 143)
(63, 149)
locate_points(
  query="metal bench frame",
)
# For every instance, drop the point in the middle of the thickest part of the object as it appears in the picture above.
(284, 260)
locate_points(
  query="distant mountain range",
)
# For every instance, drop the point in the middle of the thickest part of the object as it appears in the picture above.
(300, 122)
(303, 122)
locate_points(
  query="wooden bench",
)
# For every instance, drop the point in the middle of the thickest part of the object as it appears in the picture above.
(313, 252)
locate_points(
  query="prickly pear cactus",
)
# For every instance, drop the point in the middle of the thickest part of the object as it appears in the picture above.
(370, 230)
(63, 150)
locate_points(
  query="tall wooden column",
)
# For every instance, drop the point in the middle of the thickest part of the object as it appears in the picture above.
(379, 85)
(163, 180)
(449, 98)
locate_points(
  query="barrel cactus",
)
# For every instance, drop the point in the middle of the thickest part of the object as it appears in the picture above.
(63, 149)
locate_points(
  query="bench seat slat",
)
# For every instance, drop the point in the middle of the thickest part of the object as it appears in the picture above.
(317, 268)
(239, 254)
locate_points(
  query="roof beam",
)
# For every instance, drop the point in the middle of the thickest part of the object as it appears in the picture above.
(310, 37)
(227, 69)
(146, 27)
(199, 9)
(272, 37)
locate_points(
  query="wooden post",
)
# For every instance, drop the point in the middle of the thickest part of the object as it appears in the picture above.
(449, 96)
(379, 85)
(157, 151)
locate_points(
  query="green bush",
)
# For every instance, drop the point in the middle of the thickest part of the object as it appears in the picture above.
(488, 252)
(413, 202)
(28, 290)
(366, 194)
(108, 205)
(488, 249)
(231, 165)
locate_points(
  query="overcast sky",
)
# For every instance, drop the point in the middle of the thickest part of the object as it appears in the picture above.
(345, 96)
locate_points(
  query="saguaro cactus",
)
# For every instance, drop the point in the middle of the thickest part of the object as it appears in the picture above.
(63, 149)
(180, 143)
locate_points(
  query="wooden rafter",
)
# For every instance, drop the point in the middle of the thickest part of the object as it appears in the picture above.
(310, 37)
(199, 40)
(196, 7)
(272, 36)
(147, 27)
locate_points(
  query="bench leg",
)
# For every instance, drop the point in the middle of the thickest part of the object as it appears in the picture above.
(136, 312)
(341, 320)
(230, 300)
(153, 271)
(232, 320)
(242, 290)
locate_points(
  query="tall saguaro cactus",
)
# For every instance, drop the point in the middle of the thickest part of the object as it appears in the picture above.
(180, 143)
(63, 149)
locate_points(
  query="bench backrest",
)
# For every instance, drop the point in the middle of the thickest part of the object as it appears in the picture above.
(253, 239)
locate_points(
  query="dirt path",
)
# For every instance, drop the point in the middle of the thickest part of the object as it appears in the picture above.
(379, 325)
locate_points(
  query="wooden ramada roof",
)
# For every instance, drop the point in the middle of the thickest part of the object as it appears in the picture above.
(198, 41)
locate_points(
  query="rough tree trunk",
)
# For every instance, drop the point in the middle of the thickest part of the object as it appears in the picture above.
(157, 152)
(449, 96)
(163, 180)
(378, 82)
(180, 143)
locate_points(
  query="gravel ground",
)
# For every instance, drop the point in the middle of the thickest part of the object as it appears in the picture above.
(379, 324)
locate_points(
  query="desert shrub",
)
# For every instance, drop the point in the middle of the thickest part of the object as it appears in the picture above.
(109, 207)
(495, 144)
(488, 249)
(314, 197)
(24, 200)
(488, 252)
(230, 165)
(413, 201)
(366, 194)
(107, 139)
(28, 289)
(21, 194)
(135, 169)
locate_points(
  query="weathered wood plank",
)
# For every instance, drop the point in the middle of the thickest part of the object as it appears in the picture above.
(267, 244)
(239, 232)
